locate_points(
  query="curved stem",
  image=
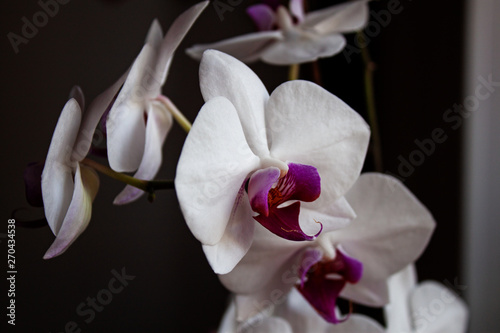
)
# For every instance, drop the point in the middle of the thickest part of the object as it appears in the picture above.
(370, 103)
(147, 186)
(293, 72)
(178, 116)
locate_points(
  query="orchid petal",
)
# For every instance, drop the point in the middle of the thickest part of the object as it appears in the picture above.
(259, 185)
(79, 212)
(332, 216)
(263, 16)
(273, 325)
(173, 38)
(125, 126)
(223, 75)
(77, 93)
(159, 122)
(368, 292)
(247, 48)
(391, 230)
(357, 324)
(237, 237)
(303, 49)
(449, 312)
(57, 178)
(91, 118)
(155, 35)
(297, 9)
(346, 17)
(214, 163)
(309, 125)
(261, 266)
(397, 312)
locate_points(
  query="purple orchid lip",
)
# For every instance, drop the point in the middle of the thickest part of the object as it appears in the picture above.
(323, 280)
(268, 193)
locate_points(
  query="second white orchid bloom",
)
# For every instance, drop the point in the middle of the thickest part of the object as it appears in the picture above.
(138, 120)
(427, 307)
(291, 36)
(284, 160)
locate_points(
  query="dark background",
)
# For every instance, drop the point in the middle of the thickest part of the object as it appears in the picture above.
(91, 43)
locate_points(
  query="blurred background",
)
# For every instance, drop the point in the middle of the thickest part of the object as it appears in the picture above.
(430, 59)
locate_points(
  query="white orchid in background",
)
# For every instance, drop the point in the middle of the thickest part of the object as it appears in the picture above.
(298, 37)
(428, 307)
(295, 315)
(138, 120)
(69, 187)
(284, 160)
(391, 230)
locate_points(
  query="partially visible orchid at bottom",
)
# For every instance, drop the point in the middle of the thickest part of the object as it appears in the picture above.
(284, 161)
(427, 307)
(391, 230)
(294, 315)
(290, 36)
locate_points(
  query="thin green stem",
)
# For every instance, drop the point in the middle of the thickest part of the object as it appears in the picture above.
(370, 103)
(293, 72)
(176, 113)
(147, 186)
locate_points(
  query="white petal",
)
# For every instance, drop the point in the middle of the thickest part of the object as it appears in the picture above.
(261, 267)
(436, 309)
(57, 178)
(297, 9)
(92, 116)
(391, 230)
(79, 212)
(247, 48)
(272, 325)
(346, 17)
(367, 292)
(223, 75)
(125, 124)
(309, 125)
(77, 93)
(213, 165)
(173, 38)
(159, 122)
(397, 312)
(237, 237)
(333, 216)
(155, 35)
(301, 49)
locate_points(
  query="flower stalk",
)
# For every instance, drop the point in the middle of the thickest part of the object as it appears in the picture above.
(176, 113)
(370, 102)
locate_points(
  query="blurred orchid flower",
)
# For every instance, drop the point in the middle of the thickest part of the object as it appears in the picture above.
(68, 186)
(295, 315)
(428, 307)
(299, 37)
(285, 160)
(138, 120)
(391, 230)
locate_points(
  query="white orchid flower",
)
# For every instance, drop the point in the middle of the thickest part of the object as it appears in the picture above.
(299, 37)
(284, 160)
(390, 231)
(295, 315)
(427, 307)
(138, 121)
(69, 187)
